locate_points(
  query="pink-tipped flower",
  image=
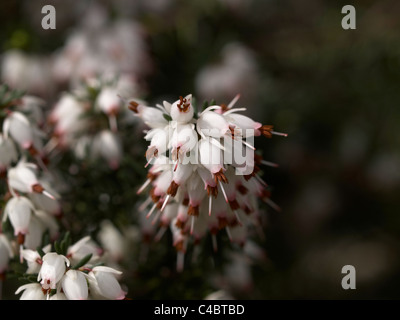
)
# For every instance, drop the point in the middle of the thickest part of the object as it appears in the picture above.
(52, 270)
(19, 210)
(104, 284)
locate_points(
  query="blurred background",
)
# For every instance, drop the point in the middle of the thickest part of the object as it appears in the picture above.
(335, 92)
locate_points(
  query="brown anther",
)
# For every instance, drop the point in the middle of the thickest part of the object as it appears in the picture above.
(153, 196)
(220, 176)
(179, 224)
(20, 238)
(232, 129)
(266, 130)
(242, 189)
(212, 191)
(253, 174)
(32, 150)
(185, 202)
(37, 188)
(247, 210)
(148, 155)
(133, 106)
(183, 105)
(234, 204)
(193, 211)
(173, 188)
(152, 176)
(224, 108)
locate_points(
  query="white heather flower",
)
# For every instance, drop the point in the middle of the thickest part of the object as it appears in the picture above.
(19, 210)
(111, 240)
(108, 145)
(109, 101)
(82, 248)
(206, 184)
(182, 109)
(6, 253)
(23, 178)
(52, 270)
(152, 117)
(31, 291)
(19, 128)
(74, 285)
(33, 259)
(104, 283)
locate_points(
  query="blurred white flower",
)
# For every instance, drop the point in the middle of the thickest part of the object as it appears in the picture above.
(108, 146)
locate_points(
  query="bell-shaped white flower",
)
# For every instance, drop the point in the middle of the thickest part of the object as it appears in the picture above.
(31, 291)
(52, 270)
(108, 145)
(74, 285)
(82, 248)
(103, 282)
(23, 178)
(111, 240)
(182, 110)
(33, 259)
(19, 128)
(212, 124)
(109, 101)
(19, 211)
(152, 117)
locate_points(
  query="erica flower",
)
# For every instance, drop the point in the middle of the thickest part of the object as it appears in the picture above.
(19, 210)
(205, 173)
(52, 270)
(74, 285)
(104, 284)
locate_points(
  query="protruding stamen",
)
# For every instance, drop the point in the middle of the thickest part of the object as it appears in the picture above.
(234, 100)
(209, 206)
(220, 176)
(144, 186)
(160, 233)
(270, 164)
(165, 202)
(192, 225)
(145, 204)
(151, 210)
(223, 191)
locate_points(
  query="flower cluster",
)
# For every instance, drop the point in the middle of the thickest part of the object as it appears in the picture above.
(204, 174)
(78, 275)
(86, 120)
